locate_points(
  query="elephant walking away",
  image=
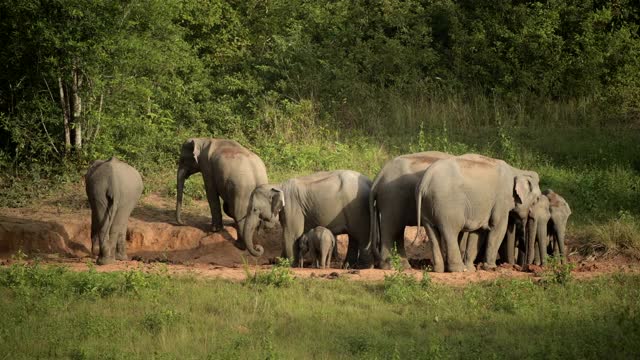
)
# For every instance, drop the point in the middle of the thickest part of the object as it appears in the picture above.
(113, 188)
(337, 200)
(320, 242)
(392, 203)
(546, 227)
(229, 170)
(471, 193)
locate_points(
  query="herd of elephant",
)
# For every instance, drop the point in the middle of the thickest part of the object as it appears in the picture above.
(475, 209)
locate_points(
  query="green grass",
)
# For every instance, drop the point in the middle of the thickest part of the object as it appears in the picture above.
(55, 313)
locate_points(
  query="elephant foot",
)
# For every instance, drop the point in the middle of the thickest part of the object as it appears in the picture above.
(216, 228)
(439, 268)
(105, 260)
(488, 267)
(471, 267)
(122, 257)
(457, 268)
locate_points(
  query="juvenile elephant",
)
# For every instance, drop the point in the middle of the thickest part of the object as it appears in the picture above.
(229, 170)
(392, 202)
(320, 242)
(471, 193)
(337, 200)
(113, 188)
(547, 226)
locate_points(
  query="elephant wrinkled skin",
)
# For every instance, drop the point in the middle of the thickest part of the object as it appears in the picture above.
(113, 188)
(319, 242)
(547, 227)
(392, 202)
(229, 170)
(471, 193)
(337, 200)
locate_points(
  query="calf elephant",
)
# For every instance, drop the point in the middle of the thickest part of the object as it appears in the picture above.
(113, 188)
(320, 242)
(547, 227)
(471, 193)
(392, 202)
(229, 170)
(337, 200)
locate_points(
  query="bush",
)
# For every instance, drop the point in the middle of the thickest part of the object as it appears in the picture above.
(280, 275)
(400, 287)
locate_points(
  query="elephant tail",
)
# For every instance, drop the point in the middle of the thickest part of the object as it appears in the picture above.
(418, 212)
(374, 222)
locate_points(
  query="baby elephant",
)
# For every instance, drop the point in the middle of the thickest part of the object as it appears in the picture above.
(113, 188)
(320, 242)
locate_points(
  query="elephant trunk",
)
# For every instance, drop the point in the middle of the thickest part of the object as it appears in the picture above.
(374, 227)
(530, 236)
(542, 240)
(182, 176)
(559, 235)
(250, 224)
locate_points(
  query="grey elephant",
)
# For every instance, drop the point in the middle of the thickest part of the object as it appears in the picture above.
(392, 202)
(113, 188)
(320, 242)
(471, 193)
(337, 200)
(229, 170)
(546, 227)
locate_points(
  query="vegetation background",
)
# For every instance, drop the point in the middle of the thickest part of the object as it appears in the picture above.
(313, 85)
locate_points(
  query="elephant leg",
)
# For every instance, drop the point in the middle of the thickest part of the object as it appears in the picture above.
(473, 244)
(463, 240)
(454, 260)
(434, 238)
(391, 228)
(120, 222)
(292, 234)
(214, 205)
(107, 237)
(328, 261)
(510, 246)
(494, 238)
(351, 260)
(98, 212)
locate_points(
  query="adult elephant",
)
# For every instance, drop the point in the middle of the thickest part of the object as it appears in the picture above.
(337, 200)
(113, 188)
(392, 202)
(546, 227)
(229, 170)
(471, 193)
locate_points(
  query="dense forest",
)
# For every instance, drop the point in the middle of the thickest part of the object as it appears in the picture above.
(87, 79)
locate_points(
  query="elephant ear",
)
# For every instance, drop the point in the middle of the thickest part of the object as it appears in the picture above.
(277, 201)
(190, 148)
(522, 188)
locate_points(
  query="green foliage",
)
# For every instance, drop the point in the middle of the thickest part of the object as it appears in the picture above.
(556, 272)
(280, 275)
(33, 279)
(400, 287)
(618, 235)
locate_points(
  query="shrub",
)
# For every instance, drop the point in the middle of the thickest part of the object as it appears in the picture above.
(280, 275)
(556, 272)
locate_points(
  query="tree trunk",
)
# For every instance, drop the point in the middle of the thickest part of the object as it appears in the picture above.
(65, 115)
(77, 108)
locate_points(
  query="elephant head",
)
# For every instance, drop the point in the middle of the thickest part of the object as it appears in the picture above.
(265, 204)
(188, 165)
(526, 192)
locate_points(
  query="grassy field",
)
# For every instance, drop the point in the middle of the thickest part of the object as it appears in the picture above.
(55, 313)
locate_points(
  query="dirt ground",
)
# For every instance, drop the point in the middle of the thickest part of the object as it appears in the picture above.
(60, 234)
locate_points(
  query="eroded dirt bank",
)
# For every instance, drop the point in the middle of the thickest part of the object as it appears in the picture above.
(63, 236)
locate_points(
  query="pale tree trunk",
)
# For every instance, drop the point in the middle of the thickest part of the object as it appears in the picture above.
(77, 108)
(65, 115)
